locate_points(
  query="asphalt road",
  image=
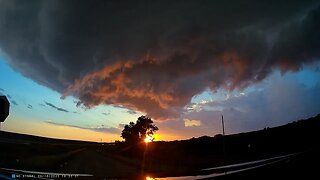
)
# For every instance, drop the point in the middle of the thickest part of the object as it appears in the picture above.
(301, 166)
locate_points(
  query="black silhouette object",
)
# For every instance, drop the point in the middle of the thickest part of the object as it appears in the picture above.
(4, 108)
(137, 132)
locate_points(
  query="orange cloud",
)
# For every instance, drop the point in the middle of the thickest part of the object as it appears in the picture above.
(117, 84)
(162, 88)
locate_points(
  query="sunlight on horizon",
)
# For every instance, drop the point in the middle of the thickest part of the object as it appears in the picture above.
(149, 138)
(149, 178)
(34, 127)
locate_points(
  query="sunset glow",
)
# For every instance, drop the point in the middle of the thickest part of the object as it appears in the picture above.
(149, 178)
(149, 138)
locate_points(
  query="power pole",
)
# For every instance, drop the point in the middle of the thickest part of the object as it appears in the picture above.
(223, 141)
(222, 124)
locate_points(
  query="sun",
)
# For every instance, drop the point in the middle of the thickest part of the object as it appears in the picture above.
(149, 138)
(149, 178)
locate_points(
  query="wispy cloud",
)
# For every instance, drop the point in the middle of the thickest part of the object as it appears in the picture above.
(14, 102)
(191, 122)
(55, 107)
(132, 112)
(42, 105)
(96, 129)
(121, 125)
(194, 107)
(261, 108)
(106, 113)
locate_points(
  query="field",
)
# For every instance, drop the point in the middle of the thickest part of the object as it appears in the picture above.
(168, 159)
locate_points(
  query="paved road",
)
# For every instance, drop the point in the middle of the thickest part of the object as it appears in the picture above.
(86, 161)
(302, 166)
(291, 166)
(90, 161)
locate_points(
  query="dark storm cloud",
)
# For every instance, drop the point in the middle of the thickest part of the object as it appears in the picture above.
(55, 107)
(154, 56)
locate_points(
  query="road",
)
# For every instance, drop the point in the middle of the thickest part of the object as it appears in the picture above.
(91, 161)
(291, 166)
(85, 162)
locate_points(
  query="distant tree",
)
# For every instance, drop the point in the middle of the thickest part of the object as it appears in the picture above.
(137, 132)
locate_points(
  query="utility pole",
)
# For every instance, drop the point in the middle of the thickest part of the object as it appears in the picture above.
(222, 124)
(223, 141)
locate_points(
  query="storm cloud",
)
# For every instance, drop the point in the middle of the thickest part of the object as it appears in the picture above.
(154, 56)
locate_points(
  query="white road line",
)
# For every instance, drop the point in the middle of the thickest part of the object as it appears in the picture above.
(273, 160)
(241, 170)
(249, 163)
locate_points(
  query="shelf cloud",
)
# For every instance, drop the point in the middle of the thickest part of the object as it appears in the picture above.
(154, 56)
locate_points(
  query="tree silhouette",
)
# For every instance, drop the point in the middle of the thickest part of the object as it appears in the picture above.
(137, 132)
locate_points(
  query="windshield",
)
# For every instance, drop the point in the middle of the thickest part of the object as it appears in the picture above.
(206, 89)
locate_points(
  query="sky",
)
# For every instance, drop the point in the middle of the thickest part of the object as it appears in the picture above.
(83, 69)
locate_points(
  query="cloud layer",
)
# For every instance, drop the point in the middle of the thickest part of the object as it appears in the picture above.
(281, 102)
(155, 56)
(55, 107)
(96, 129)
